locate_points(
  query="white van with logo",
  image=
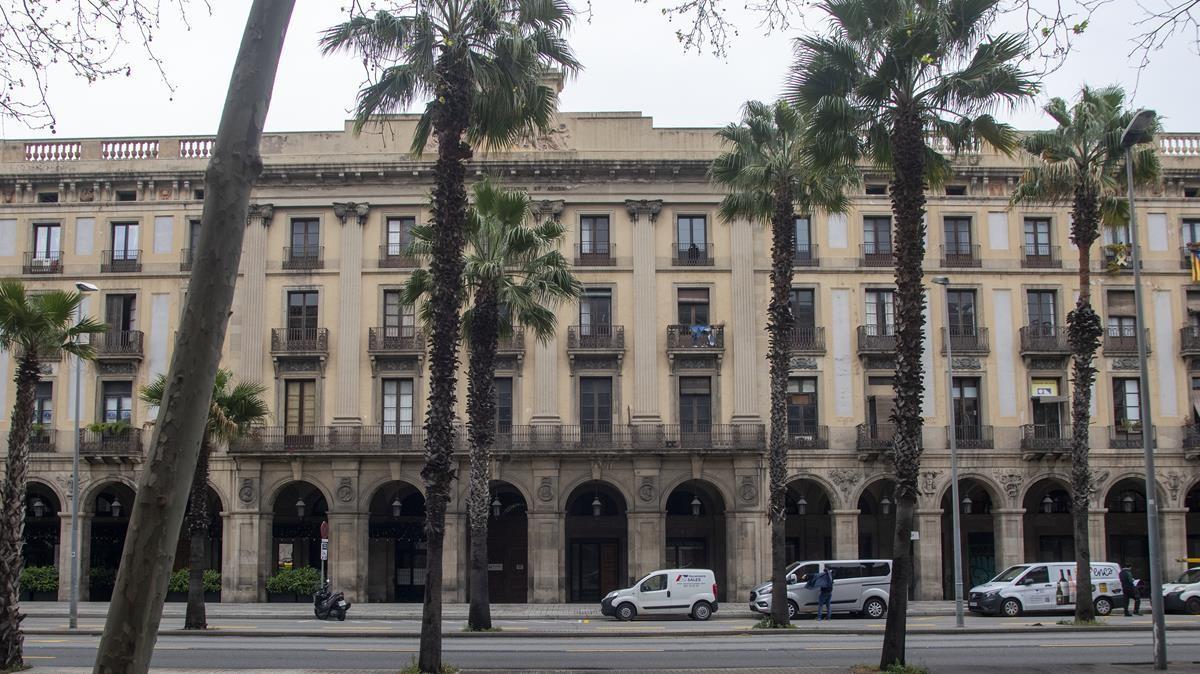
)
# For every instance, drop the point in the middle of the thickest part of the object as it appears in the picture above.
(859, 586)
(1044, 587)
(690, 592)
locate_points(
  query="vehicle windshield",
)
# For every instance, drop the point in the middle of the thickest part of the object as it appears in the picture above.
(1010, 574)
(1190, 576)
(643, 579)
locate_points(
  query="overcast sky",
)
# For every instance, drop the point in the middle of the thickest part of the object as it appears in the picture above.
(631, 57)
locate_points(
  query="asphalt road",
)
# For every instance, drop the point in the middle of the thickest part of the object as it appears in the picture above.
(940, 653)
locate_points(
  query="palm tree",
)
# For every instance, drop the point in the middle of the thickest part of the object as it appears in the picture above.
(482, 65)
(888, 75)
(230, 413)
(31, 326)
(771, 176)
(1082, 162)
(514, 274)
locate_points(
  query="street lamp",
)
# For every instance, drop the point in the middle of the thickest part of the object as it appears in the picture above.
(1047, 504)
(966, 505)
(115, 507)
(885, 505)
(39, 508)
(300, 507)
(396, 506)
(596, 506)
(695, 506)
(496, 506)
(956, 522)
(1140, 131)
(73, 621)
(1127, 502)
(801, 505)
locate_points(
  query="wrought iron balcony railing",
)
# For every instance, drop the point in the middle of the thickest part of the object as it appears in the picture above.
(693, 255)
(1127, 437)
(1044, 339)
(973, 436)
(877, 255)
(1189, 340)
(116, 444)
(876, 338)
(595, 254)
(1124, 341)
(43, 262)
(807, 340)
(304, 257)
(596, 337)
(396, 256)
(805, 255)
(1040, 256)
(695, 337)
(118, 343)
(121, 262)
(966, 340)
(299, 340)
(962, 255)
(807, 436)
(395, 339)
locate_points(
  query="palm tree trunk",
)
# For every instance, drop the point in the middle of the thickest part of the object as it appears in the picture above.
(198, 519)
(450, 119)
(12, 500)
(779, 324)
(908, 207)
(157, 513)
(481, 413)
(1083, 334)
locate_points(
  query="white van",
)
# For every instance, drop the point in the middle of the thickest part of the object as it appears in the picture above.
(1183, 595)
(1045, 586)
(690, 592)
(859, 586)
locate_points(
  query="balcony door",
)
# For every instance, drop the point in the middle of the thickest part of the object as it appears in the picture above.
(881, 312)
(877, 236)
(300, 413)
(1127, 406)
(399, 319)
(693, 307)
(399, 235)
(118, 401)
(125, 241)
(47, 241)
(1043, 311)
(594, 238)
(692, 231)
(1037, 238)
(695, 405)
(120, 312)
(802, 407)
(803, 230)
(397, 411)
(967, 424)
(302, 315)
(595, 313)
(958, 237)
(305, 238)
(595, 405)
(961, 305)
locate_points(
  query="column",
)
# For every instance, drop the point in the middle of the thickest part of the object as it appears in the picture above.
(545, 552)
(744, 324)
(1173, 522)
(1097, 533)
(85, 555)
(646, 542)
(244, 556)
(254, 282)
(845, 533)
(1010, 536)
(346, 568)
(928, 552)
(645, 322)
(454, 588)
(64, 554)
(348, 332)
(747, 541)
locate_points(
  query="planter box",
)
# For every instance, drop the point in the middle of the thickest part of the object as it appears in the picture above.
(209, 597)
(29, 595)
(287, 598)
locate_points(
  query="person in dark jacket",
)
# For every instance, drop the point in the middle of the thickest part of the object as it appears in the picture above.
(823, 582)
(1129, 587)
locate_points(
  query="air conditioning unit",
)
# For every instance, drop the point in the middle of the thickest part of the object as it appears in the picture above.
(43, 264)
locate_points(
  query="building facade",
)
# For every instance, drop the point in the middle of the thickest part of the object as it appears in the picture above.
(635, 437)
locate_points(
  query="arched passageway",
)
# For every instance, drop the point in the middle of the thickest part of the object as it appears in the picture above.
(1049, 532)
(1125, 526)
(397, 554)
(109, 510)
(297, 514)
(212, 551)
(596, 536)
(978, 539)
(508, 546)
(695, 529)
(41, 535)
(809, 524)
(877, 520)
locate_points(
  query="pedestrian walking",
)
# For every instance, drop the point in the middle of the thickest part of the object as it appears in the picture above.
(823, 582)
(1129, 587)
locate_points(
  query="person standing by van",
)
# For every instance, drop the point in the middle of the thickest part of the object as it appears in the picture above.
(823, 582)
(1129, 587)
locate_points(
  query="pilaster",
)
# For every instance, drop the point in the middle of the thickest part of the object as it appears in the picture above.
(1097, 533)
(929, 554)
(348, 335)
(454, 588)
(243, 557)
(744, 323)
(347, 566)
(747, 550)
(1174, 537)
(647, 537)
(546, 557)
(545, 408)
(845, 533)
(645, 323)
(1010, 536)
(64, 555)
(254, 282)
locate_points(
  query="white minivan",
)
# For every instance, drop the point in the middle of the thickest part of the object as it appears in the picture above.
(1045, 586)
(859, 586)
(690, 592)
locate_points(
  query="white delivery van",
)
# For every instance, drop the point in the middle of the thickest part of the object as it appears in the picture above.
(1045, 586)
(690, 592)
(1183, 595)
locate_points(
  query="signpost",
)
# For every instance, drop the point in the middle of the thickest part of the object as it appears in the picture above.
(324, 548)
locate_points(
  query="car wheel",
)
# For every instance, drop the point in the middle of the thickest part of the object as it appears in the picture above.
(626, 612)
(1011, 608)
(793, 610)
(702, 611)
(874, 608)
(1193, 605)
(1103, 606)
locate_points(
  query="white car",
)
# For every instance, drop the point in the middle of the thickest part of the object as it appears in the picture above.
(690, 592)
(1183, 595)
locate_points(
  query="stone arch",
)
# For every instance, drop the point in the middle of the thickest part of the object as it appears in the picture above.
(219, 490)
(876, 503)
(995, 492)
(43, 524)
(979, 540)
(857, 494)
(106, 523)
(596, 550)
(369, 489)
(518, 484)
(93, 489)
(267, 505)
(809, 527)
(713, 483)
(396, 565)
(1048, 536)
(1061, 479)
(695, 535)
(831, 491)
(508, 544)
(295, 531)
(63, 499)
(1106, 489)
(620, 489)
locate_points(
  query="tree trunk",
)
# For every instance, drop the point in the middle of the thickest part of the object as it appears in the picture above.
(779, 326)
(481, 413)
(157, 513)
(450, 120)
(12, 517)
(198, 519)
(1083, 334)
(908, 207)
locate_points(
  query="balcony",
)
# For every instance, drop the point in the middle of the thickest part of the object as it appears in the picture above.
(807, 437)
(1185, 258)
(692, 255)
(807, 341)
(43, 262)
(304, 257)
(299, 341)
(696, 338)
(876, 339)
(185, 259)
(1044, 340)
(512, 343)
(876, 255)
(1039, 256)
(395, 256)
(118, 344)
(1041, 440)
(966, 341)
(873, 440)
(1191, 441)
(972, 436)
(596, 338)
(121, 262)
(406, 340)
(1126, 437)
(1123, 341)
(595, 255)
(805, 255)
(41, 441)
(382, 439)
(110, 446)
(964, 256)
(1189, 341)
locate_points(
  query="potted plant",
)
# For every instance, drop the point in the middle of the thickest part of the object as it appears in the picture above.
(212, 585)
(177, 586)
(293, 585)
(39, 583)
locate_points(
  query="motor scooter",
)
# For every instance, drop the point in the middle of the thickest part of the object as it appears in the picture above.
(328, 604)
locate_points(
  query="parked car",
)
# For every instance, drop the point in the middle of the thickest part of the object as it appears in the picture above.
(1045, 586)
(859, 586)
(1183, 595)
(690, 592)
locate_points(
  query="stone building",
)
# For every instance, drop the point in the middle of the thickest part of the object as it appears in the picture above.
(635, 438)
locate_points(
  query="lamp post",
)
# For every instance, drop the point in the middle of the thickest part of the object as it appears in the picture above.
(1141, 130)
(73, 613)
(956, 519)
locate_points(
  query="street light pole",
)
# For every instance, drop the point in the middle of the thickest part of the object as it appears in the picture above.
(1140, 130)
(73, 614)
(944, 281)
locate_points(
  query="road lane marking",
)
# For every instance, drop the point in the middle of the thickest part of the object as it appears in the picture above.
(364, 649)
(615, 650)
(39, 657)
(1069, 645)
(840, 648)
(46, 641)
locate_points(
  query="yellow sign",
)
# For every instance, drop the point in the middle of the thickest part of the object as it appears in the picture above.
(1045, 388)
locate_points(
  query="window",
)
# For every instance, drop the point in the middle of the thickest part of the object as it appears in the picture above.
(47, 241)
(958, 236)
(43, 404)
(1127, 407)
(194, 234)
(693, 306)
(399, 235)
(1037, 575)
(1037, 237)
(305, 238)
(397, 412)
(198, 194)
(845, 571)
(880, 312)
(1047, 411)
(1122, 318)
(804, 313)
(967, 420)
(302, 314)
(804, 247)
(1116, 234)
(504, 404)
(956, 190)
(961, 305)
(126, 195)
(695, 404)
(692, 231)
(595, 312)
(655, 583)
(595, 404)
(802, 416)
(876, 189)
(125, 241)
(118, 401)
(399, 319)
(1043, 312)
(594, 236)
(300, 408)
(877, 236)
(120, 312)
(47, 197)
